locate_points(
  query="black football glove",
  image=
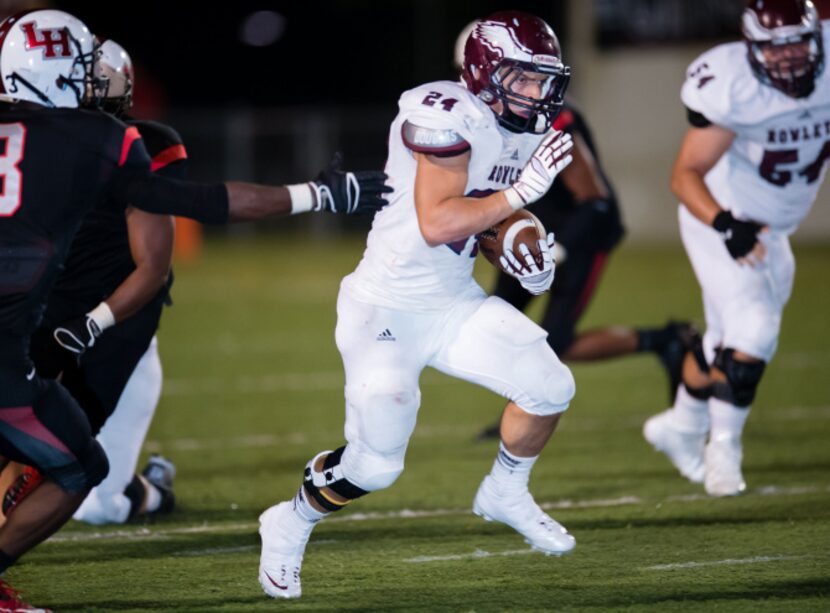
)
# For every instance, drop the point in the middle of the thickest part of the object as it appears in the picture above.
(77, 335)
(740, 236)
(339, 191)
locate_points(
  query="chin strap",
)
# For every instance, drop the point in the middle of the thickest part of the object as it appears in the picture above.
(15, 78)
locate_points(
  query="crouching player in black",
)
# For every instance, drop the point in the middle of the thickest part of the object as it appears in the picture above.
(57, 163)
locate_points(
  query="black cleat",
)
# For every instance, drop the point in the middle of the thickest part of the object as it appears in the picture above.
(159, 472)
(676, 339)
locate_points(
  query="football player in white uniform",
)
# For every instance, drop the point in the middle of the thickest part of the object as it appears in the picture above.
(747, 173)
(462, 157)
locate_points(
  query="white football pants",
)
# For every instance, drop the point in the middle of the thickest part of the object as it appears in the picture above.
(481, 340)
(742, 304)
(122, 437)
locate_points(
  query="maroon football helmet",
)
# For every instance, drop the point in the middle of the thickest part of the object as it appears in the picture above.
(498, 51)
(785, 46)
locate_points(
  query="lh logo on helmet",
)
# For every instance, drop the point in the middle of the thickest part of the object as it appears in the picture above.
(53, 41)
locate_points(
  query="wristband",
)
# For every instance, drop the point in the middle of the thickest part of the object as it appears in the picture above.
(102, 316)
(303, 197)
(514, 198)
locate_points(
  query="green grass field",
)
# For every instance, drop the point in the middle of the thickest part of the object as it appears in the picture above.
(254, 388)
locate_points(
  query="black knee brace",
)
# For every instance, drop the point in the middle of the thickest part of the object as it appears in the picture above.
(331, 477)
(742, 379)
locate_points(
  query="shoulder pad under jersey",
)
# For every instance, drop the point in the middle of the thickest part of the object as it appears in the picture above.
(720, 84)
(442, 113)
(163, 144)
(443, 142)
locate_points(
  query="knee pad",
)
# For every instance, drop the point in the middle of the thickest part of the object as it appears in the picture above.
(370, 469)
(560, 389)
(95, 464)
(330, 476)
(742, 379)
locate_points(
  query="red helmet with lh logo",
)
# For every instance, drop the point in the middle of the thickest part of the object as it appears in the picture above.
(785, 46)
(498, 51)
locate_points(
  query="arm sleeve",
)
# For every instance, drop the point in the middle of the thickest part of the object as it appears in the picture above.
(205, 202)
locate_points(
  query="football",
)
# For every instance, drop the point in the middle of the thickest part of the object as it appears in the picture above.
(521, 227)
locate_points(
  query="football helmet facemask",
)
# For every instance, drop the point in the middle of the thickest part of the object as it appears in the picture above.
(505, 51)
(46, 58)
(113, 70)
(784, 44)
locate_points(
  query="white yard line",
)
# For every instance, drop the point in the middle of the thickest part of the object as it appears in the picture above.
(729, 562)
(477, 554)
(212, 551)
(794, 413)
(144, 533)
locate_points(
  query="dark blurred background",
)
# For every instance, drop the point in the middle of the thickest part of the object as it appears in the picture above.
(267, 91)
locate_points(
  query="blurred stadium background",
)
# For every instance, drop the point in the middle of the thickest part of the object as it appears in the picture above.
(267, 91)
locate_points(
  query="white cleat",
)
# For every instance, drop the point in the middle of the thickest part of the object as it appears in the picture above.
(521, 513)
(284, 537)
(684, 449)
(723, 467)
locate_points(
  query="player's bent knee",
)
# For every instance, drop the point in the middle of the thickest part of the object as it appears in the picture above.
(742, 378)
(89, 469)
(372, 469)
(95, 464)
(558, 389)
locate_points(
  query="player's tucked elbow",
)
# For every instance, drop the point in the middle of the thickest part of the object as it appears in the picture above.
(432, 233)
(433, 228)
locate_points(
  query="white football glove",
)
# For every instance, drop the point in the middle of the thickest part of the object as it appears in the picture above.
(535, 279)
(550, 157)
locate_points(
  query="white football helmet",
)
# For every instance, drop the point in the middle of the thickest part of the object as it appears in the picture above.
(113, 78)
(46, 58)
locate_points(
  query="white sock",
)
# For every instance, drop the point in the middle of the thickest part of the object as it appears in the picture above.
(511, 473)
(727, 419)
(690, 414)
(153, 501)
(304, 510)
